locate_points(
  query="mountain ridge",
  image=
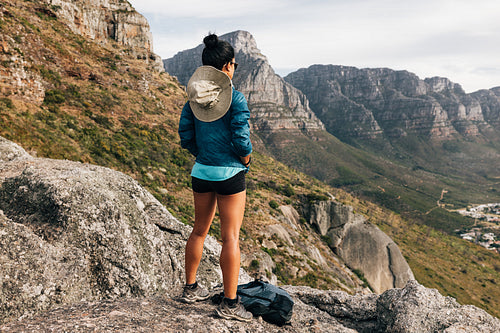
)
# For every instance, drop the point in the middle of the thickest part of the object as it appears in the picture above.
(444, 108)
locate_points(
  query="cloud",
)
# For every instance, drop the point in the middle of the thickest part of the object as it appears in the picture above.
(216, 9)
(431, 37)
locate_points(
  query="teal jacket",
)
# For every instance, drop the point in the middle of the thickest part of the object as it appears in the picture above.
(220, 142)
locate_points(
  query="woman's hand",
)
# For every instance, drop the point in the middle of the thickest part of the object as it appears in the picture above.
(246, 160)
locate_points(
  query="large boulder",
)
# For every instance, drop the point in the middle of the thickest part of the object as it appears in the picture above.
(416, 309)
(71, 231)
(412, 309)
(362, 245)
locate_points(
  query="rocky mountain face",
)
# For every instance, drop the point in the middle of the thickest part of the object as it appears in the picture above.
(490, 105)
(370, 103)
(102, 20)
(275, 105)
(27, 57)
(86, 247)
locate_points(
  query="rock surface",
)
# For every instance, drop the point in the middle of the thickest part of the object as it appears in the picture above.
(10, 151)
(360, 244)
(408, 310)
(412, 309)
(369, 103)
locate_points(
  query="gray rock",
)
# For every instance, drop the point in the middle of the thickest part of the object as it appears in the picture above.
(358, 312)
(418, 309)
(72, 231)
(9, 151)
(411, 309)
(360, 244)
(158, 314)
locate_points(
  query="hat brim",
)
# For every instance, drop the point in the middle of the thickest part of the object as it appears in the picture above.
(219, 109)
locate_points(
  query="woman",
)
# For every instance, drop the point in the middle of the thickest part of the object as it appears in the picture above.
(214, 128)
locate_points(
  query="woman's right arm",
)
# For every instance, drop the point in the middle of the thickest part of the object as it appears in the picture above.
(186, 130)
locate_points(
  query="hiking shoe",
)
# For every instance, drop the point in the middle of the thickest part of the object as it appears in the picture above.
(237, 312)
(191, 295)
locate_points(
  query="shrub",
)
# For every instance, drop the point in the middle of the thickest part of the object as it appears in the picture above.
(54, 97)
(288, 190)
(273, 204)
(7, 102)
(254, 265)
(361, 276)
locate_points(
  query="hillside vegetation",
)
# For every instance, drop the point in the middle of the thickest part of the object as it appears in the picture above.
(99, 104)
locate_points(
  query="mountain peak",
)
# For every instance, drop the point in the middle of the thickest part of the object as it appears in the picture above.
(439, 84)
(274, 104)
(244, 43)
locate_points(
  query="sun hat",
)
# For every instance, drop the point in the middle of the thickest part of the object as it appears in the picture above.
(210, 93)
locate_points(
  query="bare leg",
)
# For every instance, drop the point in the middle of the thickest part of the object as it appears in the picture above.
(204, 211)
(231, 210)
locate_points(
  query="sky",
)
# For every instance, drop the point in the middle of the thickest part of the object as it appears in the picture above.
(457, 39)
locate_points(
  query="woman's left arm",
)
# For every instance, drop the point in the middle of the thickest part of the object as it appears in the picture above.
(240, 128)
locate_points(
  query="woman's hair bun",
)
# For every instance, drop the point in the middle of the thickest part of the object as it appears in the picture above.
(211, 41)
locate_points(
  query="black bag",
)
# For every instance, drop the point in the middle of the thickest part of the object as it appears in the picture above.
(274, 304)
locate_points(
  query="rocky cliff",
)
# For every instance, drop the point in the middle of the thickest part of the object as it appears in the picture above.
(86, 248)
(368, 103)
(490, 105)
(104, 20)
(274, 104)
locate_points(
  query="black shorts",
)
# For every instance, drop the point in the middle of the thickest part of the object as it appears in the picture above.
(229, 186)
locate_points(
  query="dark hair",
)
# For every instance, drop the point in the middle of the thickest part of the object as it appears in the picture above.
(217, 52)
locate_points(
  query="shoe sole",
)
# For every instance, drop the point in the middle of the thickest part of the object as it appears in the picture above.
(193, 299)
(229, 317)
